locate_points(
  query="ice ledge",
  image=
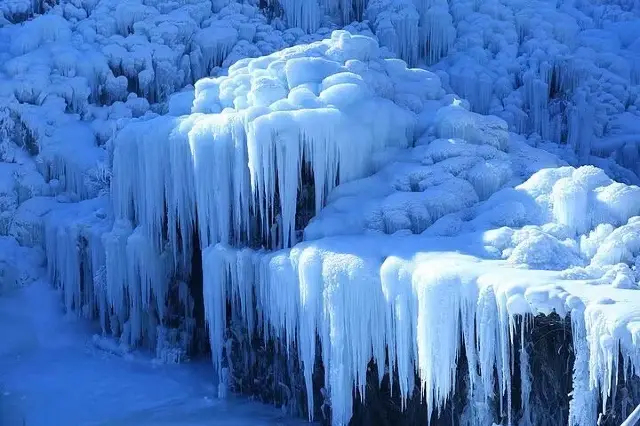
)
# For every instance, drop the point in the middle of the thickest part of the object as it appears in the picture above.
(414, 295)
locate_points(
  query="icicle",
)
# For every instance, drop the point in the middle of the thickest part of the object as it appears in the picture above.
(215, 276)
(302, 13)
(537, 96)
(276, 144)
(525, 377)
(64, 260)
(396, 26)
(633, 418)
(222, 211)
(603, 353)
(149, 273)
(140, 180)
(180, 192)
(70, 248)
(396, 284)
(581, 117)
(437, 32)
(505, 327)
(437, 289)
(115, 243)
(309, 265)
(487, 332)
(583, 406)
(243, 284)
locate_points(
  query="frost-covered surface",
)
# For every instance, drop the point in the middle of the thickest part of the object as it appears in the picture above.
(135, 133)
(50, 368)
(19, 266)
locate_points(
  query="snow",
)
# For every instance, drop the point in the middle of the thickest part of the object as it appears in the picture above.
(49, 368)
(493, 182)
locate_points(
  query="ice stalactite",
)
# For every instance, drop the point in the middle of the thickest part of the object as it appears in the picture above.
(115, 246)
(72, 247)
(281, 139)
(233, 173)
(633, 418)
(537, 98)
(140, 184)
(437, 331)
(153, 190)
(396, 25)
(416, 309)
(273, 141)
(395, 274)
(302, 14)
(210, 46)
(148, 279)
(580, 125)
(64, 263)
(311, 315)
(218, 149)
(137, 281)
(417, 317)
(525, 377)
(605, 352)
(437, 30)
(583, 406)
(216, 270)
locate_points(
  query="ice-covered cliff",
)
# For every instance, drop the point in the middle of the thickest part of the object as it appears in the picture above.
(331, 199)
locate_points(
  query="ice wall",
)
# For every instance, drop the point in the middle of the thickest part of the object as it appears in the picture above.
(415, 296)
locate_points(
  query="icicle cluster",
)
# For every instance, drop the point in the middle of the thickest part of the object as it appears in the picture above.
(250, 157)
(359, 314)
(75, 256)
(233, 169)
(425, 294)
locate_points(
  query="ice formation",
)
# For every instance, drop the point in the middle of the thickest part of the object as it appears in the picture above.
(523, 252)
(133, 134)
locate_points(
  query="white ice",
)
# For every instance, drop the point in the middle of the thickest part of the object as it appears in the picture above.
(127, 126)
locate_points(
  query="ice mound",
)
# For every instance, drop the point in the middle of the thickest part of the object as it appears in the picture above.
(463, 158)
(19, 266)
(255, 130)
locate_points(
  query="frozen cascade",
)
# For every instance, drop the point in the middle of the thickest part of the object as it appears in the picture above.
(235, 165)
(272, 141)
(412, 30)
(69, 241)
(302, 14)
(297, 319)
(583, 406)
(437, 31)
(417, 306)
(244, 151)
(396, 25)
(525, 376)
